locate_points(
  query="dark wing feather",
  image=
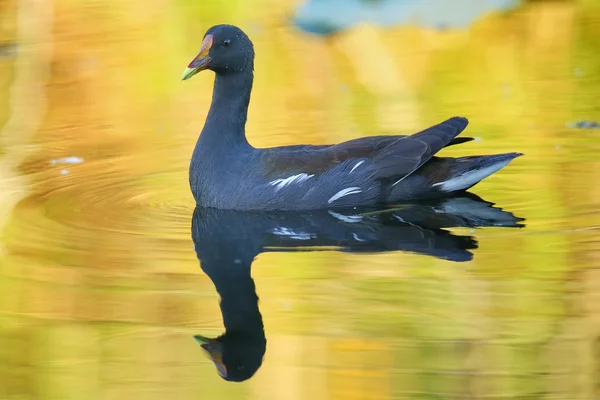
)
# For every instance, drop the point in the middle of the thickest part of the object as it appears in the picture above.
(460, 140)
(406, 155)
(393, 156)
(290, 160)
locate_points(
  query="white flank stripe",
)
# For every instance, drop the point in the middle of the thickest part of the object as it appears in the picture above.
(346, 218)
(355, 236)
(283, 182)
(400, 218)
(283, 231)
(344, 192)
(469, 178)
(356, 166)
(405, 221)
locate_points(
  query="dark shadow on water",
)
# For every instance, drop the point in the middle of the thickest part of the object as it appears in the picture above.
(227, 242)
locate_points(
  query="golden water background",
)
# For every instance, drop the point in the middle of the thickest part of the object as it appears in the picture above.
(100, 290)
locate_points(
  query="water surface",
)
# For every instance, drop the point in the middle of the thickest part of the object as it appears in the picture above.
(101, 291)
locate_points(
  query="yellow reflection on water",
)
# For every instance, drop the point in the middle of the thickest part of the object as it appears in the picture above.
(100, 290)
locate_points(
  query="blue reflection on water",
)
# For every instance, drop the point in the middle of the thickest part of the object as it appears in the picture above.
(324, 17)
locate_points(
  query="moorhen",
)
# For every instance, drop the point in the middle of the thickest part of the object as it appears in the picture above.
(226, 172)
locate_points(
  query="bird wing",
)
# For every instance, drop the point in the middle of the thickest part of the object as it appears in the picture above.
(392, 156)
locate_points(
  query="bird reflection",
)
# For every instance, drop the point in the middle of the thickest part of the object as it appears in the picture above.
(226, 243)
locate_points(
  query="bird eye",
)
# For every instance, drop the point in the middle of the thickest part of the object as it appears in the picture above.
(226, 42)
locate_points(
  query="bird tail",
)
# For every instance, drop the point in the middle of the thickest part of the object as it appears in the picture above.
(466, 172)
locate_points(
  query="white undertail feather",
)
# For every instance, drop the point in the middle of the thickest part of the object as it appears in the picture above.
(469, 178)
(283, 182)
(344, 192)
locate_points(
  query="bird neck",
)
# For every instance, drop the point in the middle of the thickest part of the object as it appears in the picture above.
(239, 304)
(226, 121)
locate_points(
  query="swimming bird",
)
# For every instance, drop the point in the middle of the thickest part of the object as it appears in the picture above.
(226, 172)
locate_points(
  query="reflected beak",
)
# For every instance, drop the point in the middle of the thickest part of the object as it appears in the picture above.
(214, 349)
(202, 60)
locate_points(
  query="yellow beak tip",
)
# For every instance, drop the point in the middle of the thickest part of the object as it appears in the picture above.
(188, 73)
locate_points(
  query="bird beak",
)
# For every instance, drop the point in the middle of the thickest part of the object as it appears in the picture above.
(201, 61)
(214, 349)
